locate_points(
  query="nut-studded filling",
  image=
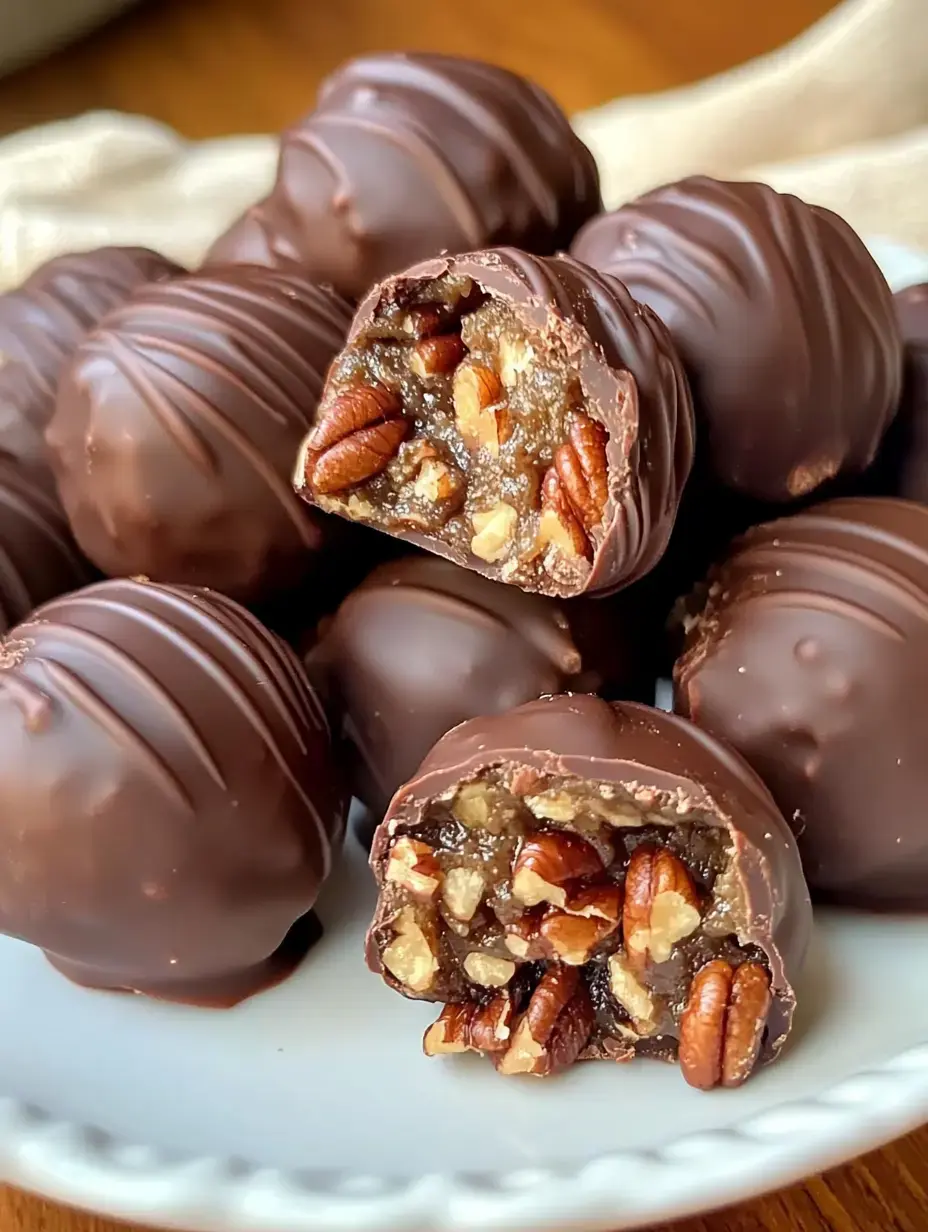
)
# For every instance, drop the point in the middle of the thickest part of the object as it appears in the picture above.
(451, 416)
(562, 920)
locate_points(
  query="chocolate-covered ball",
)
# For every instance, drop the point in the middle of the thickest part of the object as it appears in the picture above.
(41, 324)
(782, 317)
(38, 556)
(580, 880)
(408, 155)
(811, 659)
(168, 803)
(422, 645)
(521, 416)
(177, 424)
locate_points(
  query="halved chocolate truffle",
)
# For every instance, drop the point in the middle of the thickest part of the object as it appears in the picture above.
(38, 557)
(408, 155)
(422, 645)
(583, 880)
(168, 803)
(783, 319)
(521, 416)
(177, 424)
(810, 658)
(41, 324)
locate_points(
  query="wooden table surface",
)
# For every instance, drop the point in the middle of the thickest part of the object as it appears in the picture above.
(218, 66)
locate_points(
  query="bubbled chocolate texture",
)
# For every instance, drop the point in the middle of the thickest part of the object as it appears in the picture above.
(783, 319)
(41, 324)
(177, 424)
(167, 802)
(409, 155)
(811, 659)
(422, 645)
(38, 557)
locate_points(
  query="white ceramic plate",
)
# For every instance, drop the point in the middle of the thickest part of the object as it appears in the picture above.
(312, 1109)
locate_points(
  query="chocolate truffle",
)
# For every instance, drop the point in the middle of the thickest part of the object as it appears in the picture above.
(902, 468)
(422, 645)
(782, 317)
(811, 659)
(38, 557)
(41, 324)
(410, 155)
(177, 423)
(584, 880)
(168, 806)
(521, 416)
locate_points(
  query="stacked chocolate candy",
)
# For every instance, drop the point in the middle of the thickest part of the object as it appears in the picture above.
(391, 356)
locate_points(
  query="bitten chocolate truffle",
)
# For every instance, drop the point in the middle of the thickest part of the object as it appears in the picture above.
(410, 155)
(38, 557)
(811, 659)
(521, 416)
(177, 424)
(168, 806)
(782, 317)
(41, 324)
(422, 645)
(580, 880)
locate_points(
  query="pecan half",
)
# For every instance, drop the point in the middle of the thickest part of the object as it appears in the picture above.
(723, 1024)
(573, 938)
(554, 1029)
(588, 917)
(357, 435)
(661, 904)
(546, 862)
(581, 467)
(480, 410)
(436, 356)
(470, 1027)
(413, 867)
(558, 526)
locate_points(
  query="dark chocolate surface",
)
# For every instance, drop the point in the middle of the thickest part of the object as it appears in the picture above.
(782, 317)
(902, 467)
(41, 324)
(422, 645)
(168, 801)
(177, 424)
(811, 659)
(408, 155)
(660, 758)
(632, 381)
(38, 556)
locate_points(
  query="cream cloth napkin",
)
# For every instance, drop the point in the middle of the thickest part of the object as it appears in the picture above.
(840, 117)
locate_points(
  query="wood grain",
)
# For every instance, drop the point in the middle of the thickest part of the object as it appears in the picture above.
(209, 67)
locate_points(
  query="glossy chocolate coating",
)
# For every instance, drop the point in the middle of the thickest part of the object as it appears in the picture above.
(811, 659)
(177, 424)
(38, 557)
(409, 155)
(41, 324)
(902, 468)
(167, 795)
(782, 317)
(422, 645)
(631, 744)
(630, 374)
